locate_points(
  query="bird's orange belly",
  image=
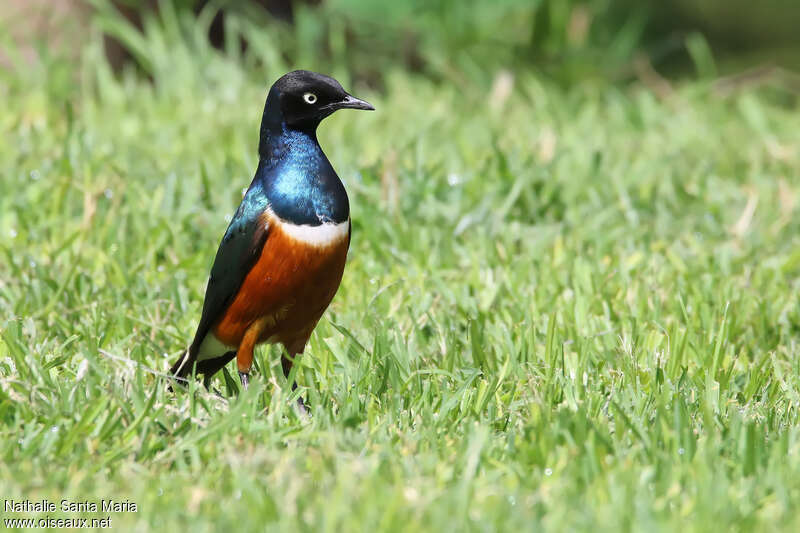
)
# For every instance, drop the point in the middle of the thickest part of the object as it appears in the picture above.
(289, 287)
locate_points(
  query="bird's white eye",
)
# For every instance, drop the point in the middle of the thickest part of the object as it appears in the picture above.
(310, 98)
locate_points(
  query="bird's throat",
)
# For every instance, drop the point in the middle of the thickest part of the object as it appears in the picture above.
(299, 182)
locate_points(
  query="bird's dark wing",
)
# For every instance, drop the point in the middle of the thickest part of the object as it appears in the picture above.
(238, 252)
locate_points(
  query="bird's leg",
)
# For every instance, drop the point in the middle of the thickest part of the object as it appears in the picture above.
(244, 355)
(286, 365)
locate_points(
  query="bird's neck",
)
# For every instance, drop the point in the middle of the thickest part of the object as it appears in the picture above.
(278, 144)
(277, 138)
(299, 183)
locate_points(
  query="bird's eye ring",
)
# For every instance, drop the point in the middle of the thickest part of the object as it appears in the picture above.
(310, 98)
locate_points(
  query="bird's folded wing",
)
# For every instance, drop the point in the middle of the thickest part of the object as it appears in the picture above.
(238, 252)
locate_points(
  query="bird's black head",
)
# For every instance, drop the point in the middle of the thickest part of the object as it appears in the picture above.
(303, 98)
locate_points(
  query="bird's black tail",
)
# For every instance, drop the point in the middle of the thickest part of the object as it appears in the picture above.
(183, 366)
(208, 367)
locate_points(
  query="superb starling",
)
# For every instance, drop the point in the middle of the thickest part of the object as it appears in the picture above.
(282, 257)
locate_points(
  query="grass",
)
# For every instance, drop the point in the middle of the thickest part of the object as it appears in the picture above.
(573, 309)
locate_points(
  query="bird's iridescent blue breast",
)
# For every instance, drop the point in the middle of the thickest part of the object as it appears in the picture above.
(299, 182)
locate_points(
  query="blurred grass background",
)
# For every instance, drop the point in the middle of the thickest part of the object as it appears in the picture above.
(568, 41)
(570, 302)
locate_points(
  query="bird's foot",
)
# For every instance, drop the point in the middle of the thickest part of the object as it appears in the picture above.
(301, 409)
(244, 377)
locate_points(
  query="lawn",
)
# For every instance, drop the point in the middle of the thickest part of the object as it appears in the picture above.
(571, 308)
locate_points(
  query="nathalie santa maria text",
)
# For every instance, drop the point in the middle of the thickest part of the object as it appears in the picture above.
(70, 506)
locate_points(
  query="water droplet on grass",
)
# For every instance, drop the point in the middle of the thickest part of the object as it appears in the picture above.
(548, 471)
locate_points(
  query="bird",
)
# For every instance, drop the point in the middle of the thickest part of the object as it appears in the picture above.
(282, 257)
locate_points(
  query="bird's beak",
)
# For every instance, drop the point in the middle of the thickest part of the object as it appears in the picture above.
(351, 102)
